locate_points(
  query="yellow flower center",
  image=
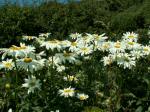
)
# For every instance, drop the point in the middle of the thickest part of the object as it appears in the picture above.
(97, 37)
(23, 47)
(14, 48)
(82, 97)
(117, 45)
(74, 44)
(8, 65)
(131, 36)
(53, 42)
(106, 46)
(84, 49)
(27, 60)
(109, 62)
(131, 43)
(71, 78)
(68, 91)
(29, 37)
(146, 49)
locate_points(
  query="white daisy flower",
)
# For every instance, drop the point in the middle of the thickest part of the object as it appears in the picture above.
(148, 33)
(73, 46)
(85, 50)
(40, 40)
(130, 36)
(75, 35)
(26, 49)
(105, 46)
(44, 35)
(82, 96)
(10, 110)
(13, 51)
(125, 60)
(28, 38)
(65, 56)
(8, 64)
(60, 68)
(87, 39)
(117, 47)
(67, 92)
(21, 51)
(131, 45)
(65, 43)
(30, 64)
(136, 53)
(53, 44)
(55, 111)
(146, 50)
(32, 83)
(70, 78)
(98, 39)
(55, 60)
(107, 60)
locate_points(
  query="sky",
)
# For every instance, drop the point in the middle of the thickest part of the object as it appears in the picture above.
(27, 1)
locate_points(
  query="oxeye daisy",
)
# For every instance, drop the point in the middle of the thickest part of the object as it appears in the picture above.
(60, 68)
(73, 46)
(55, 60)
(66, 56)
(130, 36)
(107, 60)
(82, 96)
(65, 43)
(117, 47)
(146, 50)
(10, 110)
(104, 46)
(67, 92)
(32, 83)
(53, 44)
(44, 35)
(75, 35)
(19, 51)
(87, 39)
(98, 39)
(136, 53)
(28, 38)
(85, 50)
(14, 51)
(30, 64)
(131, 45)
(125, 60)
(8, 64)
(70, 78)
(26, 49)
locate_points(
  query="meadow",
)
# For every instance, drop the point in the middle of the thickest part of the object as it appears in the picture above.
(63, 58)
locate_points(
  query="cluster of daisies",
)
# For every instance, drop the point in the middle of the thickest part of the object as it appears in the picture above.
(124, 52)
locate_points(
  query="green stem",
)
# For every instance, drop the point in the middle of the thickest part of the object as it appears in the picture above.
(30, 100)
(16, 81)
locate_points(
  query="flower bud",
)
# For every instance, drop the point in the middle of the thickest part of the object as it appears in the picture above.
(7, 86)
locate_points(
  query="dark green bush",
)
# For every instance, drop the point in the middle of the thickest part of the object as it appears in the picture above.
(92, 16)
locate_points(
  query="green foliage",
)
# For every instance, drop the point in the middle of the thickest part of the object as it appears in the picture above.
(110, 88)
(62, 19)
